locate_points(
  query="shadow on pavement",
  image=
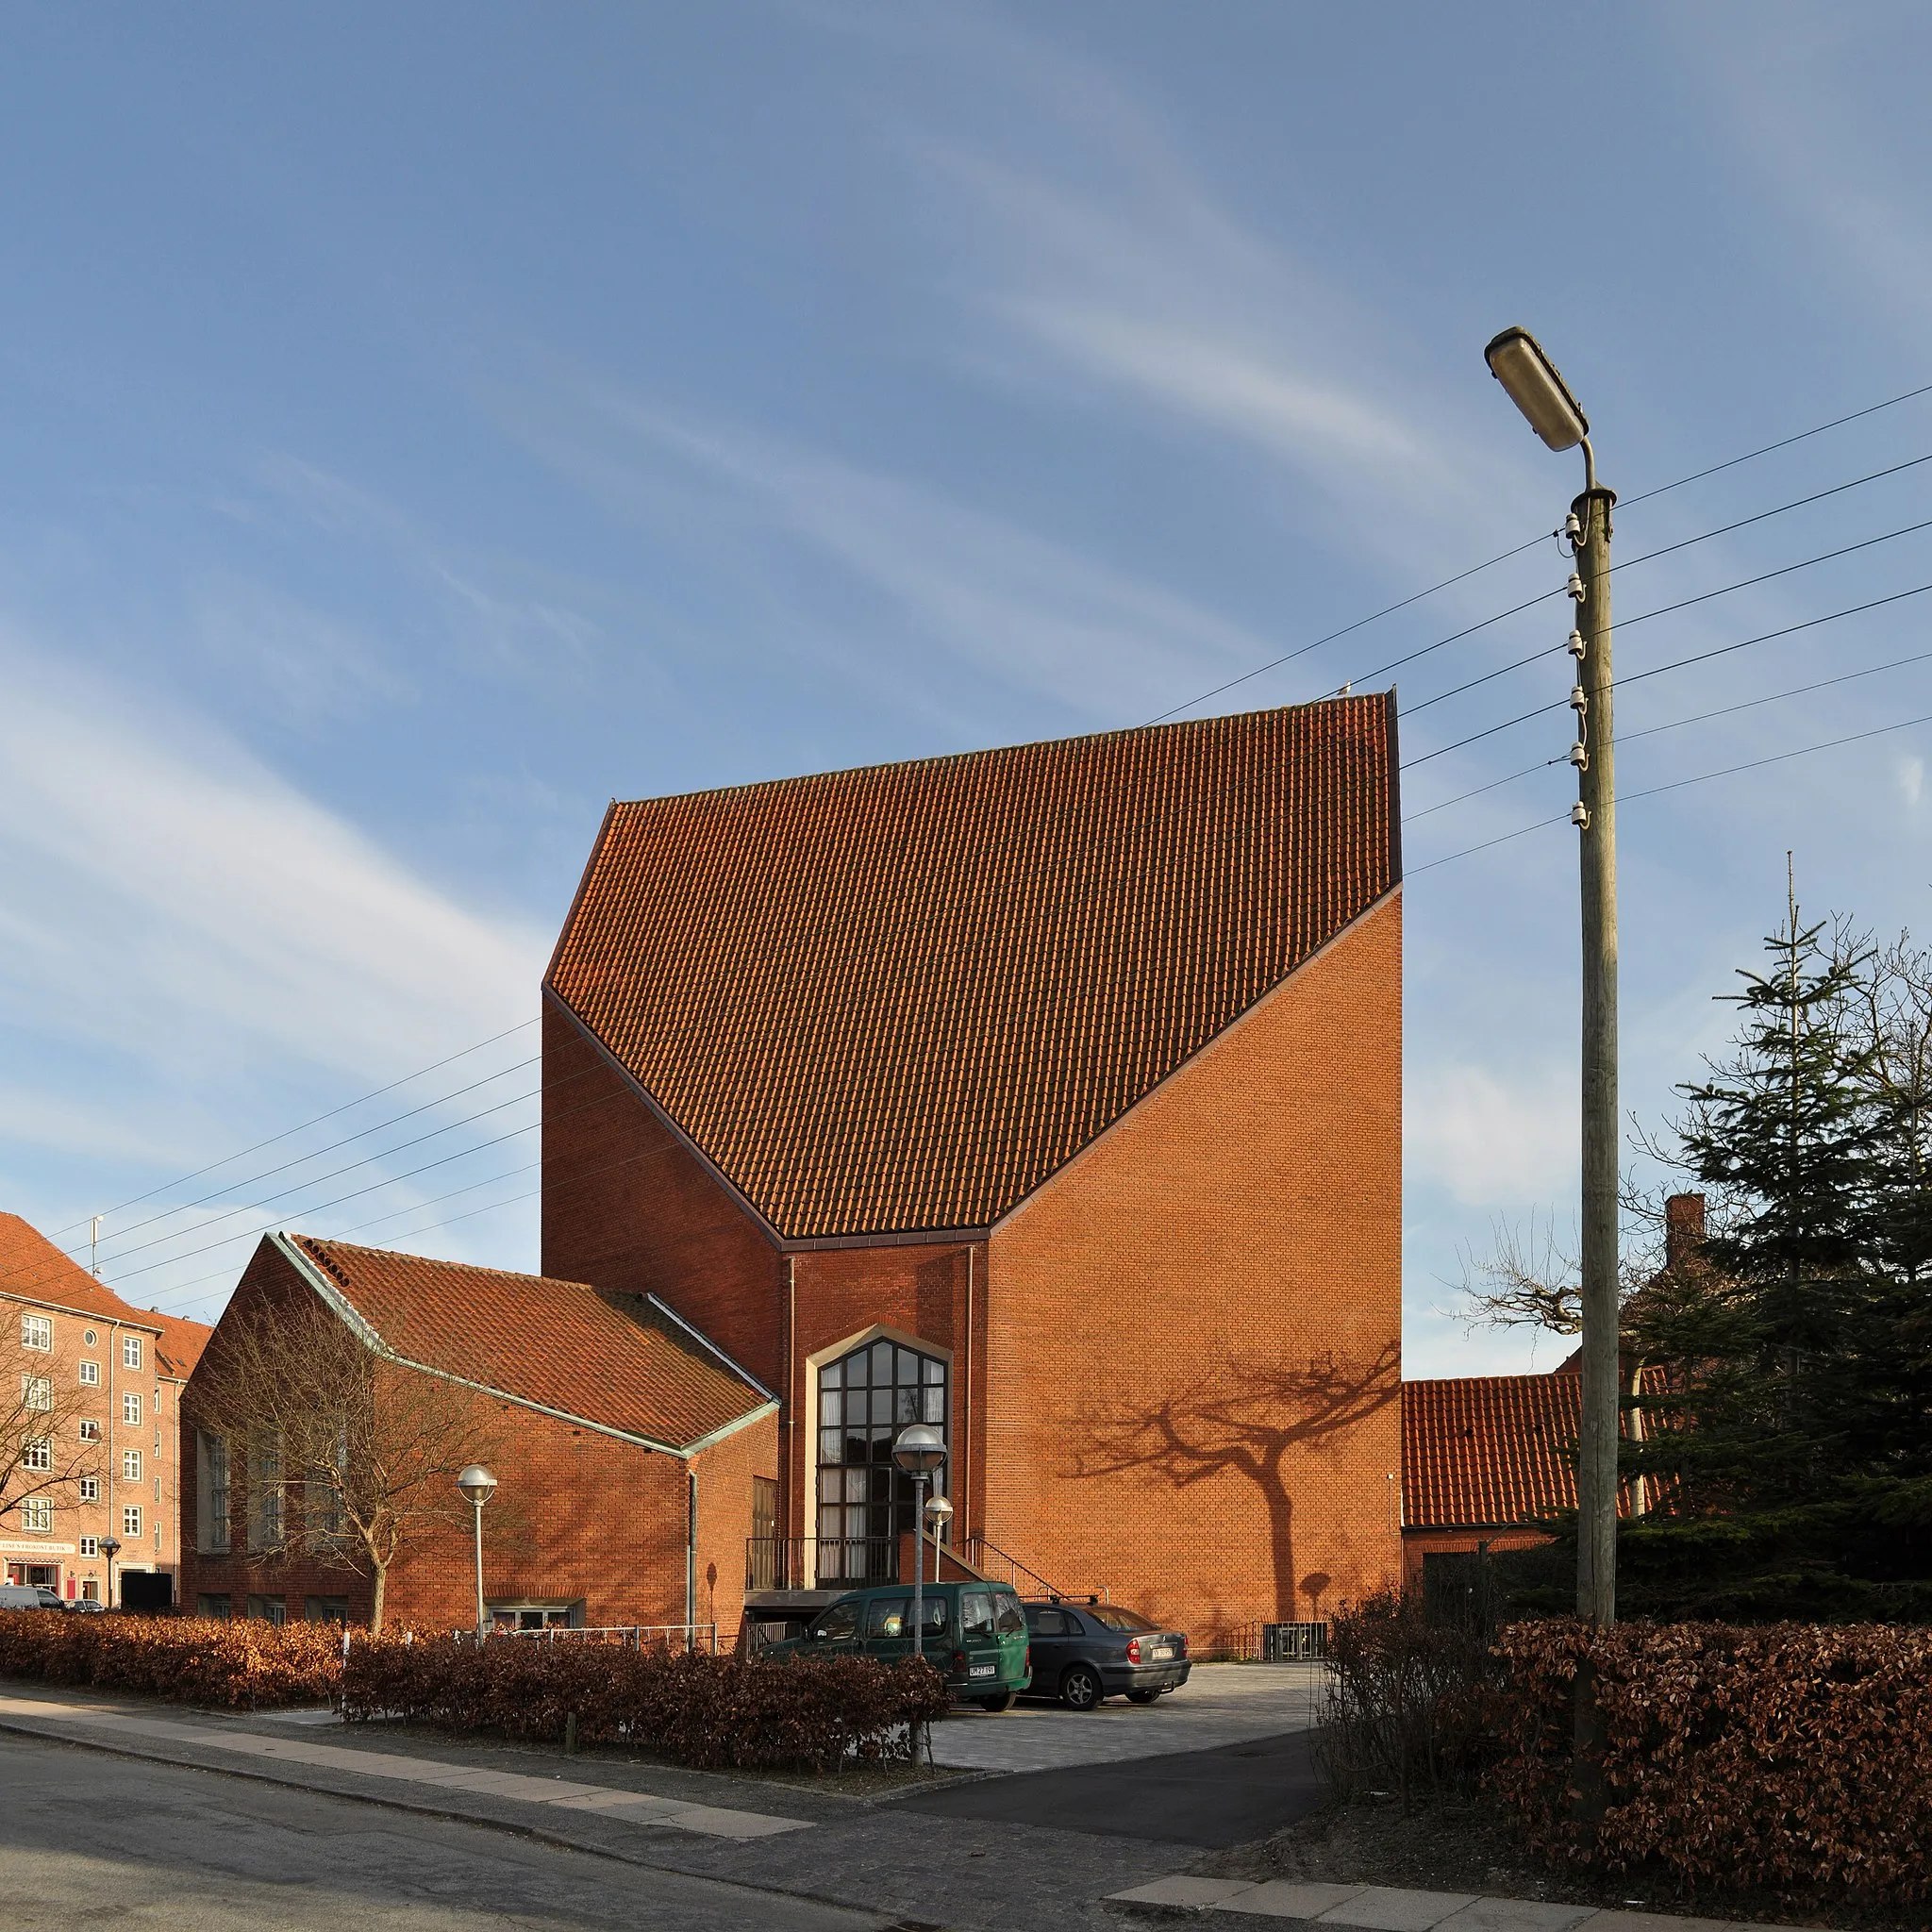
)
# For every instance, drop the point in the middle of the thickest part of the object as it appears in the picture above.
(1212, 1799)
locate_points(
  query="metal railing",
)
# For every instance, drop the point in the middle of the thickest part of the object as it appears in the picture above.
(1003, 1567)
(671, 1638)
(819, 1562)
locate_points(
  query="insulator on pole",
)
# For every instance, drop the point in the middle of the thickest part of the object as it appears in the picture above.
(1575, 587)
(1575, 645)
(1579, 756)
(1579, 816)
(1579, 699)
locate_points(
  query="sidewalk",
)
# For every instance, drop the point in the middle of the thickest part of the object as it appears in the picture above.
(1387, 1908)
(615, 1803)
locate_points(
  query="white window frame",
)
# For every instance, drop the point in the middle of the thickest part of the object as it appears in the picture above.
(90, 1374)
(36, 1332)
(130, 1351)
(131, 1521)
(130, 1465)
(213, 1535)
(90, 1488)
(38, 1454)
(89, 1429)
(37, 1392)
(37, 1515)
(89, 1546)
(130, 1409)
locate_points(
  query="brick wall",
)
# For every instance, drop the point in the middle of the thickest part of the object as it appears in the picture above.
(1169, 1317)
(628, 1206)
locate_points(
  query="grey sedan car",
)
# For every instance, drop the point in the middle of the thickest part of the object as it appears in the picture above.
(1085, 1652)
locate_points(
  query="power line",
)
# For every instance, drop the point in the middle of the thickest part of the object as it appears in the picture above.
(375, 1093)
(1658, 670)
(1503, 556)
(1675, 723)
(1677, 785)
(316, 1153)
(1665, 609)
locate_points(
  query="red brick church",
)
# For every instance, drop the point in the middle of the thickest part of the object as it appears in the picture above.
(1050, 1094)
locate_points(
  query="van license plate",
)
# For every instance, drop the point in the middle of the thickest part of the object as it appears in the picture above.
(1161, 1652)
(984, 1671)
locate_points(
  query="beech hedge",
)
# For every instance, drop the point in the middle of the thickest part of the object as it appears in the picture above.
(711, 1712)
(1793, 1759)
(238, 1666)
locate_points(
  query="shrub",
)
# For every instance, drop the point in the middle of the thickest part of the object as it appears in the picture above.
(714, 1712)
(193, 1661)
(1412, 1704)
(1795, 1759)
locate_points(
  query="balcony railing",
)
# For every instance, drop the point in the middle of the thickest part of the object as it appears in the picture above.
(819, 1562)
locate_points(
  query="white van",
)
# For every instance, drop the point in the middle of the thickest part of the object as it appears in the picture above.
(28, 1596)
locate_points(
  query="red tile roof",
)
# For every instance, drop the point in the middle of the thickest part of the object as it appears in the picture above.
(899, 998)
(617, 1361)
(34, 1268)
(1479, 1451)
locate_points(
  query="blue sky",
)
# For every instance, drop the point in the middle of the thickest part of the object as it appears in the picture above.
(425, 423)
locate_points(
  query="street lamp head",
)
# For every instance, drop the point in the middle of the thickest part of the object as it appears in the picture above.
(939, 1512)
(920, 1449)
(477, 1483)
(109, 1547)
(1517, 360)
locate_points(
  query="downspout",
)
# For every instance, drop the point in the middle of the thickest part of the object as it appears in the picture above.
(966, 1419)
(690, 1552)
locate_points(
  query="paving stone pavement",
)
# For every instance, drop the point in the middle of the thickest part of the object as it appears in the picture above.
(1219, 1704)
(1395, 1908)
(962, 1875)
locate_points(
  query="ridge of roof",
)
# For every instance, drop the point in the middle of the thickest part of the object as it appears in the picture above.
(34, 1269)
(606, 1359)
(894, 999)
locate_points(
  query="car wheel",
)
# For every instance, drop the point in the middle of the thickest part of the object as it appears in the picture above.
(1004, 1701)
(1143, 1696)
(1081, 1688)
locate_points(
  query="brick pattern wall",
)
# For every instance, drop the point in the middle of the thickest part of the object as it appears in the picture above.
(576, 1515)
(1170, 1316)
(628, 1206)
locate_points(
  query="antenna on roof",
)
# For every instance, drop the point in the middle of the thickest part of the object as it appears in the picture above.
(93, 1242)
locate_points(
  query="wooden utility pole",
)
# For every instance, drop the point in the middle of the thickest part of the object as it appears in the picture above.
(1595, 699)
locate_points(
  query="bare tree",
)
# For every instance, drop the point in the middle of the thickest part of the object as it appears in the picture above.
(1242, 1417)
(344, 1455)
(42, 1451)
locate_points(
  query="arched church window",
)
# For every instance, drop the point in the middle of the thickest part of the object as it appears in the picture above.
(865, 1504)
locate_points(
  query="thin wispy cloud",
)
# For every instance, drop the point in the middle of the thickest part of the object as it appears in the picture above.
(1001, 601)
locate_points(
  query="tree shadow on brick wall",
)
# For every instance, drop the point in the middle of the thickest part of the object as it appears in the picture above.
(1247, 1417)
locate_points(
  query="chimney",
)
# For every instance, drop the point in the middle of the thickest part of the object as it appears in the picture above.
(1683, 1229)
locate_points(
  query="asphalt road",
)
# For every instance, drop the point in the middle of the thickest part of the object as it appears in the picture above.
(86, 1837)
(1208, 1798)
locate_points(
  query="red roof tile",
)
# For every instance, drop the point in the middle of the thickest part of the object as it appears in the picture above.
(615, 1359)
(1479, 1451)
(899, 998)
(34, 1268)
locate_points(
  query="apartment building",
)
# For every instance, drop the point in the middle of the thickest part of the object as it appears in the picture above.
(108, 1376)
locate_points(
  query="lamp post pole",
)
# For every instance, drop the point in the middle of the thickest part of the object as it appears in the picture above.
(111, 1548)
(478, 1484)
(1518, 362)
(919, 1450)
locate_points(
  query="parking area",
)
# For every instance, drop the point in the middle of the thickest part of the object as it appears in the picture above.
(1220, 1705)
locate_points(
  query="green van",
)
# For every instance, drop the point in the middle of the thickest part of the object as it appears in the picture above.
(975, 1636)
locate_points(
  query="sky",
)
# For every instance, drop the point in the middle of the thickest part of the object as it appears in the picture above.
(425, 423)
